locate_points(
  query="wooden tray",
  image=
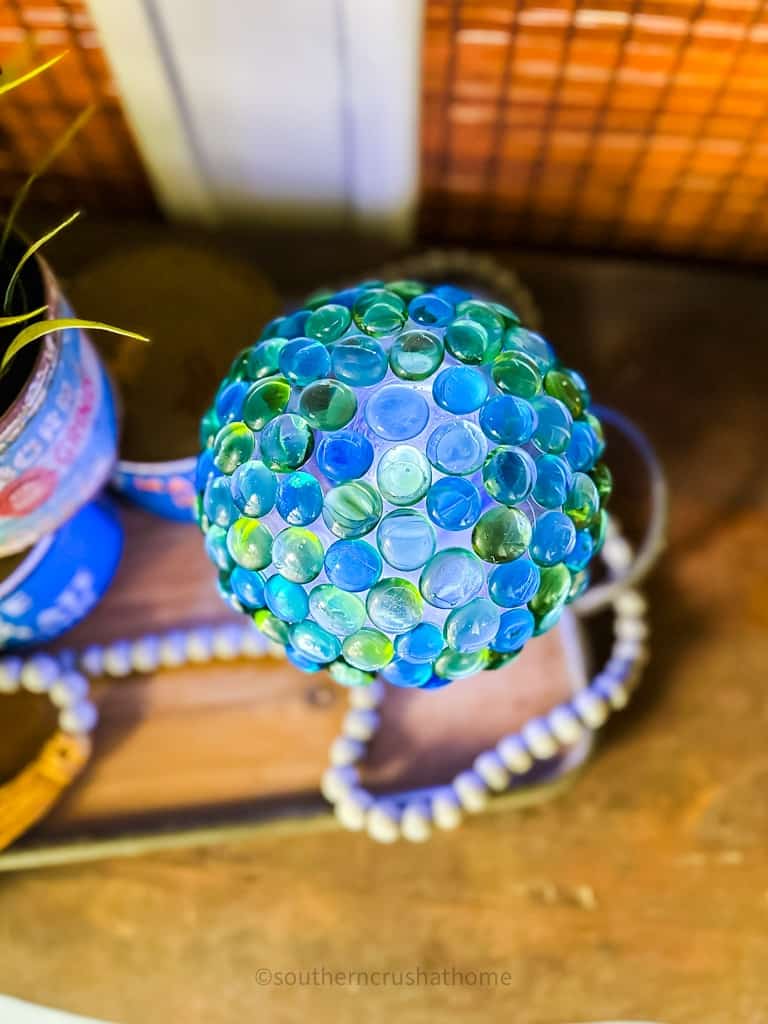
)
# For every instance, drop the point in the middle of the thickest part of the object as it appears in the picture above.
(202, 753)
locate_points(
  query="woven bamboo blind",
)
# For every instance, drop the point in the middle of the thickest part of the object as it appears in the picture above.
(622, 124)
(100, 169)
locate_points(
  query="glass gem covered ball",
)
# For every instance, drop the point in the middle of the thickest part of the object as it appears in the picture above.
(401, 480)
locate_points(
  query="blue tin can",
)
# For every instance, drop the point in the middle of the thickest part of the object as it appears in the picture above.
(62, 578)
(58, 438)
(165, 488)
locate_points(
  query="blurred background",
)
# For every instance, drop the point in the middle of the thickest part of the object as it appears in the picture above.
(615, 125)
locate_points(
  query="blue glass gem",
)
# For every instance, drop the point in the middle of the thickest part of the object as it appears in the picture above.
(358, 361)
(460, 389)
(287, 600)
(582, 552)
(299, 498)
(254, 488)
(553, 481)
(553, 430)
(516, 628)
(430, 310)
(508, 419)
(229, 401)
(397, 412)
(353, 565)
(314, 642)
(217, 502)
(301, 662)
(205, 469)
(583, 448)
(509, 474)
(216, 548)
(406, 539)
(457, 448)
(532, 344)
(473, 626)
(454, 503)
(293, 326)
(423, 643)
(344, 455)
(452, 293)
(514, 583)
(304, 360)
(554, 536)
(248, 586)
(407, 673)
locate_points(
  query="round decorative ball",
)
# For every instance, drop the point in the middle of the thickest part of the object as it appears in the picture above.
(401, 479)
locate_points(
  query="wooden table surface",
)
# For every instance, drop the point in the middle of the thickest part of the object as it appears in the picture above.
(640, 894)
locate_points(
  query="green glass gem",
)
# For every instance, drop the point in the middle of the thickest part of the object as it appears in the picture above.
(297, 554)
(368, 650)
(336, 610)
(346, 675)
(250, 543)
(209, 428)
(415, 355)
(468, 341)
(509, 316)
(603, 479)
(501, 534)
(319, 298)
(562, 385)
(583, 502)
(597, 430)
(554, 587)
(352, 509)
(509, 474)
(286, 442)
(406, 290)
(379, 312)
(314, 642)
(484, 314)
(394, 605)
(404, 475)
(515, 373)
(456, 665)
(233, 446)
(261, 360)
(328, 323)
(265, 400)
(274, 629)
(328, 404)
(498, 660)
(598, 530)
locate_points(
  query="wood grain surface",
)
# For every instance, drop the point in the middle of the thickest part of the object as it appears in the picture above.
(641, 894)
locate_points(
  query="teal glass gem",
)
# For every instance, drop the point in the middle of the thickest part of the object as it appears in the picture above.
(286, 442)
(249, 542)
(265, 400)
(509, 474)
(430, 310)
(460, 389)
(502, 534)
(314, 642)
(454, 503)
(422, 644)
(353, 565)
(254, 488)
(457, 448)
(553, 538)
(248, 587)
(583, 502)
(394, 605)
(515, 630)
(233, 446)
(358, 361)
(403, 475)
(397, 412)
(368, 649)
(304, 360)
(352, 510)
(346, 447)
(415, 355)
(515, 373)
(328, 404)
(336, 610)
(508, 419)
(553, 481)
(406, 539)
(328, 323)
(285, 599)
(344, 455)
(553, 429)
(379, 312)
(473, 626)
(297, 554)
(451, 577)
(514, 583)
(299, 498)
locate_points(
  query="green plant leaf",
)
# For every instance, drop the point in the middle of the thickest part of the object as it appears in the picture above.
(21, 79)
(31, 252)
(56, 149)
(39, 330)
(9, 321)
